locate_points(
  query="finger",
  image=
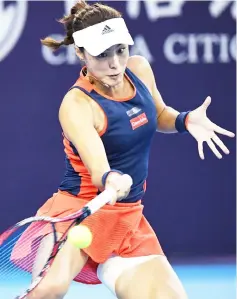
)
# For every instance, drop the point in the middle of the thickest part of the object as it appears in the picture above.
(113, 195)
(223, 131)
(126, 180)
(200, 150)
(206, 103)
(217, 140)
(125, 183)
(122, 195)
(214, 149)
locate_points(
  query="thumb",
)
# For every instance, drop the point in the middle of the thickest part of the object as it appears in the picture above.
(206, 103)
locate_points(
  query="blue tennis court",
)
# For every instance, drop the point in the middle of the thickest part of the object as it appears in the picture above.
(202, 281)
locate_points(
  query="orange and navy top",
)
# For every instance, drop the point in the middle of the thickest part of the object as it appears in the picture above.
(127, 136)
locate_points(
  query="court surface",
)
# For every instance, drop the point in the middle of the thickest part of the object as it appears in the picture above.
(201, 280)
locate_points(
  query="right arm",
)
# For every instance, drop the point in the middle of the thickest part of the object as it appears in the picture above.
(77, 121)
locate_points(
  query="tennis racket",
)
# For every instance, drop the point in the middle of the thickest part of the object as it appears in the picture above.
(15, 273)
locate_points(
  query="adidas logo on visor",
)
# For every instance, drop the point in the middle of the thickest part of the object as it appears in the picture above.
(107, 29)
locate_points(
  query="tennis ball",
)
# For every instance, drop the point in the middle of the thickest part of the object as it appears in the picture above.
(80, 236)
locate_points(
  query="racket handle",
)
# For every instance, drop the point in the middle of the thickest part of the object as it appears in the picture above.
(100, 200)
(107, 195)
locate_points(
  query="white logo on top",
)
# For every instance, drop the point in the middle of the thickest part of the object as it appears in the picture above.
(157, 9)
(107, 29)
(133, 111)
(12, 21)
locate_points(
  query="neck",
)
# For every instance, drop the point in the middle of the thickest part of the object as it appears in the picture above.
(117, 91)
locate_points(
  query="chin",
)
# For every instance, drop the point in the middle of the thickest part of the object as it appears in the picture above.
(113, 83)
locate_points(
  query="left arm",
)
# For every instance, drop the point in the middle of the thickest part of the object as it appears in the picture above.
(197, 124)
(166, 116)
(169, 120)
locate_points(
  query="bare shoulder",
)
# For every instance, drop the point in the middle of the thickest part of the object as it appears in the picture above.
(75, 99)
(137, 62)
(75, 105)
(76, 96)
(141, 67)
(75, 113)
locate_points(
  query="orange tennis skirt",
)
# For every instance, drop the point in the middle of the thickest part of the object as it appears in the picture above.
(119, 230)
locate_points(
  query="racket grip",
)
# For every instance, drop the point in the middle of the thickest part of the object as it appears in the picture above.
(102, 199)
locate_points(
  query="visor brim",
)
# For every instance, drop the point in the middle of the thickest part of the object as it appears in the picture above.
(103, 43)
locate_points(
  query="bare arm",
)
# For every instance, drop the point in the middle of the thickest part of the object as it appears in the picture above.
(166, 116)
(76, 118)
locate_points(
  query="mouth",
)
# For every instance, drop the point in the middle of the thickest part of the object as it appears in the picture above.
(114, 76)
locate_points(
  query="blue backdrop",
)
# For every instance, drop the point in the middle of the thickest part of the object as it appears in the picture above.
(192, 49)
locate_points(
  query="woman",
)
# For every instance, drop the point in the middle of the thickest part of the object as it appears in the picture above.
(109, 118)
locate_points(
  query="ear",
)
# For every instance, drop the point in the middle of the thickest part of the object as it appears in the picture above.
(79, 54)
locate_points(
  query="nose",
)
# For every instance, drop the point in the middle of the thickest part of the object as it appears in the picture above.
(114, 62)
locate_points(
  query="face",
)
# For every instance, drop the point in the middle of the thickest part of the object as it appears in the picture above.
(109, 66)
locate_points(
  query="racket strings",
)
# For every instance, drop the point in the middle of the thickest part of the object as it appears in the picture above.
(11, 268)
(8, 243)
(5, 235)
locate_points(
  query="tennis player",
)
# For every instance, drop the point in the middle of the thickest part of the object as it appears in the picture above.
(109, 118)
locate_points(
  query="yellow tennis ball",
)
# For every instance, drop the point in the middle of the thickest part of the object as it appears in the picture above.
(80, 236)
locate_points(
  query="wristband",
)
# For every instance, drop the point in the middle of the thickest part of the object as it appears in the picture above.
(180, 124)
(105, 175)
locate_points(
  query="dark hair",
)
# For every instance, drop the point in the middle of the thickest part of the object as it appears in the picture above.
(82, 16)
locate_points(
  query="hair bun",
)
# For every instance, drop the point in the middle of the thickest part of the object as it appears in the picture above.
(80, 5)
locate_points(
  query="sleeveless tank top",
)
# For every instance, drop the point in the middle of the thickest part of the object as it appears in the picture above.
(127, 136)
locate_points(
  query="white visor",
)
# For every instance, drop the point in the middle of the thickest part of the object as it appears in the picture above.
(99, 37)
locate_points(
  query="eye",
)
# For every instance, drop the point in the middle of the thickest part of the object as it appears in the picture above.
(121, 50)
(102, 55)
